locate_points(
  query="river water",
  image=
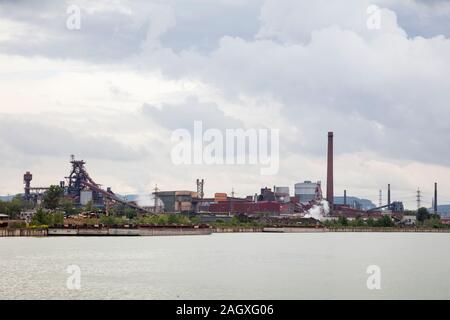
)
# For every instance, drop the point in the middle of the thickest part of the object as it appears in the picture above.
(228, 266)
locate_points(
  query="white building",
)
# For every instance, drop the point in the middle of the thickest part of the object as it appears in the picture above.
(308, 191)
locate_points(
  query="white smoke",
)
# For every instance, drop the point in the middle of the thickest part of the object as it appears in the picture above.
(319, 211)
(145, 200)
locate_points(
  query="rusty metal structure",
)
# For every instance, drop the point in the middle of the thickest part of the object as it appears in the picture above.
(79, 181)
(32, 194)
(200, 188)
(27, 177)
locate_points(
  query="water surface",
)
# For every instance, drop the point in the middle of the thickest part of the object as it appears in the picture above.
(228, 266)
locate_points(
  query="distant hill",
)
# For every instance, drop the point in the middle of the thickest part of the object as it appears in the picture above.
(6, 198)
(365, 204)
(443, 210)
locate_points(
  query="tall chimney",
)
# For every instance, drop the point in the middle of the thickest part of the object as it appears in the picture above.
(345, 197)
(389, 195)
(435, 198)
(330, 180)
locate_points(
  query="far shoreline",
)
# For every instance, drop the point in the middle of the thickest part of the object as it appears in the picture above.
(185, 230)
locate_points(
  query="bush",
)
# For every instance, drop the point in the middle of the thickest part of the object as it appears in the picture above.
(343, 221)
(433, 223)
(17, 224)
(39, 226)
(111, 220)
(385, 221)
(358, 222)
(47, 218)
(67, 206)
(178, 219)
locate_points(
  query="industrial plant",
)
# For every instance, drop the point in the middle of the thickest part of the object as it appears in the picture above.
(79, 187)
(307, 199)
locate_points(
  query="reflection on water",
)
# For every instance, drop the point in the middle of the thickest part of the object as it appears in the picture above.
(228, 266)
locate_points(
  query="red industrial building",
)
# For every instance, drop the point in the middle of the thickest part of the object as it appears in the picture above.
(249, 208)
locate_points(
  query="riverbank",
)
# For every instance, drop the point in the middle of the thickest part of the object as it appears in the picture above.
(322, 230)
(183, 231)
(23, 232)
(143, 232)
(337, 230)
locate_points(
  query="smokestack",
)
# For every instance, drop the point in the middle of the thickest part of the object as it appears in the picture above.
(389, 195)
(330, 180)
(435, 198)
(345, 197)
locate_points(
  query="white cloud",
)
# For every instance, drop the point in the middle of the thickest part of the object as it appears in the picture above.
(303, 67)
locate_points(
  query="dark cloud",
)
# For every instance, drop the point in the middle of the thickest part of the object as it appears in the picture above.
(37, 139)
(105, 35)
(183, 115)
(119, 30)
(384, 93)
(426, 18)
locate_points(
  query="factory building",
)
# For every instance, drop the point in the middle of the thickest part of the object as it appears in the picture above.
(308, 191)
(178, 201)
(267, 202)
(266, 195)
(249, 208)
(282, 194)
(80, 188)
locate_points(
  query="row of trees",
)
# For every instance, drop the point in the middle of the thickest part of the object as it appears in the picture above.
(44, 218)
(14, 207)
(429, 220)
(383, 222)
(423, 215)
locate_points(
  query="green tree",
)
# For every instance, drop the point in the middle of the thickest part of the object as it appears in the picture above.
(384, 221)
(370, 222)
(195, 220)
(130, 213)
(343, 221)
(41, 218)
(47, 218)
(111, 220)
(358, 222)
(162, 219)
(57, 218)
(52, 197)
(243, 218)
(14, 207)
(422, 214)
(67, 206)
(89, 207)
(433, 223)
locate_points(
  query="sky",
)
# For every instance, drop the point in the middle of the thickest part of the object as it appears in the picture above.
(113, 91)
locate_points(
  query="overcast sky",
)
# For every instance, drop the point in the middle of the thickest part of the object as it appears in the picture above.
(112, 92)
